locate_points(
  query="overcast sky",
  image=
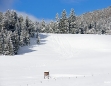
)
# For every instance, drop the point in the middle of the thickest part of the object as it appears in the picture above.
(47, 9)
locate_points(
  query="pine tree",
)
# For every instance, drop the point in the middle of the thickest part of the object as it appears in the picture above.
(15, 42)
(50, 28)
(27, 38)
(5, 43)
(57, 17)
(72, 22)
(1, 44)
(43, 26)
(6, 49)
(1, 17)
(1, 47)
(38, 39)
(56, 25)
(63, 24)
(11, 48)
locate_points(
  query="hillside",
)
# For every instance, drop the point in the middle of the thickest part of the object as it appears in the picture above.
(97, 14)
(73, 60)
(16, 30)
(95, 22)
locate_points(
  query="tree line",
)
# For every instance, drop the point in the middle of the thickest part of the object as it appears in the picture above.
(96, 22)
(16, 31)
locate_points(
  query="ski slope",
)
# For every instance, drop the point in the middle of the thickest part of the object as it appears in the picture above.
(72, 60)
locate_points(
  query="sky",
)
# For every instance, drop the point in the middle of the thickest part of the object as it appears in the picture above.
(47, 9)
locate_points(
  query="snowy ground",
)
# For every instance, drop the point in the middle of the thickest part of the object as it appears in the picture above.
(72, 60)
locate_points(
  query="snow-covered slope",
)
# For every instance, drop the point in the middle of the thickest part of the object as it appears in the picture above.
(72, 60)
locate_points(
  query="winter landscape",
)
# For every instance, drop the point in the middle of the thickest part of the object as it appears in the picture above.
(71, 59)
(73, 49)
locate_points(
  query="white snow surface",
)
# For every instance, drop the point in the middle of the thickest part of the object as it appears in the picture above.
(72, 60)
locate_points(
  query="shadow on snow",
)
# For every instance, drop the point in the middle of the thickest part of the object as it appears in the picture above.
(33, 43)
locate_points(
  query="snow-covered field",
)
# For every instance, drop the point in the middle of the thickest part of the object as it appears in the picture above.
(72, 60)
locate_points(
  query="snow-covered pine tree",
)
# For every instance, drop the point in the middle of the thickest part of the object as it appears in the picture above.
(43, 26)
(22, 36)
(20, 23)
(37, 33)
(63, 24)
(47, 27)
(50, 27)
(11, 48)
(1, 43)
(72, 22)
(38, 39)
(37, 26)
(37, 36)
(30, 26)
(10, 44)
(27, 38)
(5, 43)
(13, 21)
(1, 51)
(1, 38)
(27, 24)
(36, 29)
(15, 41)
(56, 25)
(57, 17)
(21, 40)
(1, 17)
(6, 49)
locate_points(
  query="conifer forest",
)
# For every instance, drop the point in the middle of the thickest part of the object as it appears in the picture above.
(16, 30)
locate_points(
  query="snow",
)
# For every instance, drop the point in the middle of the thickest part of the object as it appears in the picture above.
(72, 60)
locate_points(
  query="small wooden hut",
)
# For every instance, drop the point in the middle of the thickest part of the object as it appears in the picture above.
(46, 75)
